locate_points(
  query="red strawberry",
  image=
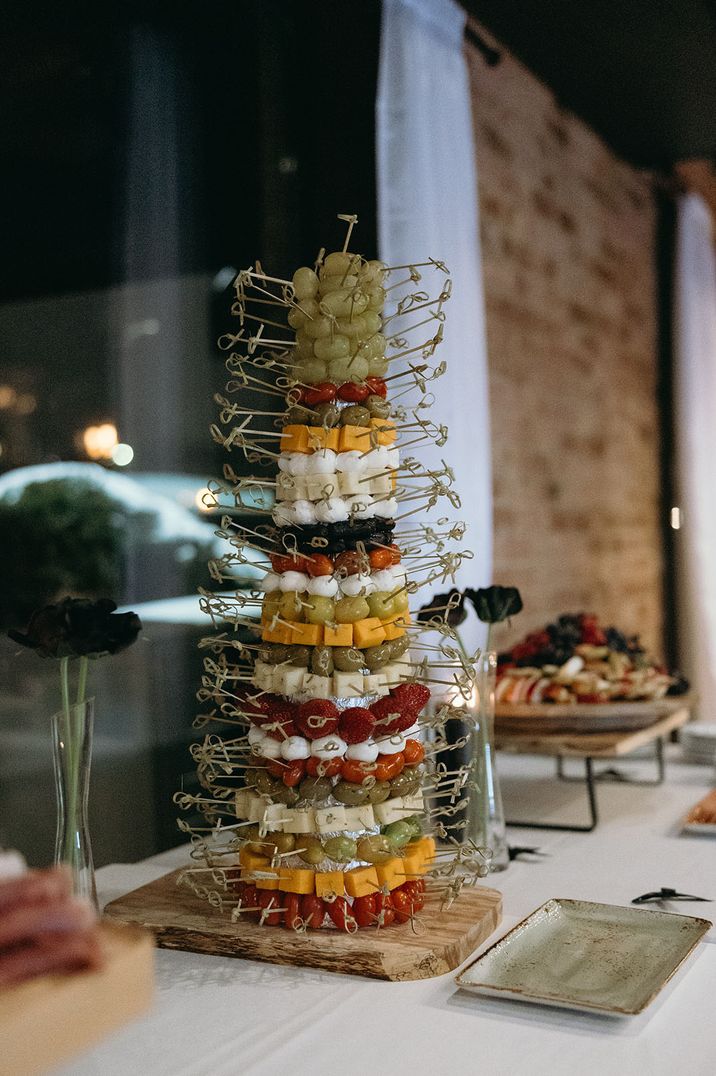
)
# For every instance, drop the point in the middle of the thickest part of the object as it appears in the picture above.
(280, 717)
(388, 716)
(411, 696)
(316, 718)
(356, 724)
(256, 708)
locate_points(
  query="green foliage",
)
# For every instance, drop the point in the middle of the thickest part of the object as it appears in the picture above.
(62, 536)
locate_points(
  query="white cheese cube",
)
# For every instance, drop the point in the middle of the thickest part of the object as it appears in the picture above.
(330, 818)
(392, 674)
(300, 821)
(389, 811)
(413, 804)
(321, 486)
(375, 684)
(240, 805)
(360, 817)
(263, 676)
(292, 679)
(348, 684)
(350, 485)
(380, 485)
(286, 487)
(274, 816)
(318, 687)
(256, 806)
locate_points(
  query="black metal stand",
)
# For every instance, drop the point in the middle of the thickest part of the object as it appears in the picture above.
(590, 778)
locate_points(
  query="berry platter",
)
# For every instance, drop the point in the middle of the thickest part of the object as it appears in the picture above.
(538, 718)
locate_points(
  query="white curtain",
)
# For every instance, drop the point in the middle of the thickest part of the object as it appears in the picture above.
(695, 421)
(428, 207)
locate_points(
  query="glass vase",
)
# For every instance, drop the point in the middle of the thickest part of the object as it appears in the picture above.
(485, 819)
(72, 751)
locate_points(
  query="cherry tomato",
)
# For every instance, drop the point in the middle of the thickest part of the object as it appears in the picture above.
(352, 770)
(287, 562)
(376, 386)
(395, 553)
(384, 909)
(341, 914)
(380, 558)
(416, 891)
(313, 910)
(250, 899)
(275, 767)
(352, 563)
(293, 773)
(323, 392)
(267, 899)
(292, 915)
(353, 393)
(364, 911)
(319, 564)
(414, 752)
(403, 905)
(389, 766)
(323, 767)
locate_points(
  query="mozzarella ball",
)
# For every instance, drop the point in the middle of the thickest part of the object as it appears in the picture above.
(295, 747)
(391, 745)
(324, 586)
(297, 581)
(270, 581)
(328, 747)
(362, 752)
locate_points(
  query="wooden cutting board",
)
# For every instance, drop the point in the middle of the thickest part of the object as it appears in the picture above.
(48, 1020)
(181, 920)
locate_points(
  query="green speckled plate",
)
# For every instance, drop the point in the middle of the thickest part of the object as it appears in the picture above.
(592, 957)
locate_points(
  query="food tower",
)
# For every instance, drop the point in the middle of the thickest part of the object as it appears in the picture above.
(322, 803)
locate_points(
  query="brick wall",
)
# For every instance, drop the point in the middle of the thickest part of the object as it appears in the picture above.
(568, 244)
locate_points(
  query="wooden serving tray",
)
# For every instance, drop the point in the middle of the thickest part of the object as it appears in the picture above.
(181, 920)
(46, 1021)
(540, 718)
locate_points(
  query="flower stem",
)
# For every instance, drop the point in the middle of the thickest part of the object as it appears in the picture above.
(82, 680)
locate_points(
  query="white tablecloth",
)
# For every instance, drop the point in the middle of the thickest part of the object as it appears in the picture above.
(221, 1017)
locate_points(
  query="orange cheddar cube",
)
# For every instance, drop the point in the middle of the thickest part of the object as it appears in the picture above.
(338, 635)
(281, 633)
(385, 430)
(390, 874)
(412, 866)
(361, 881)
(354, 439)
(267, 883)
(252, 861)
(306, 634)
(294, 439)
(368, 632)
(393, 631)
(427, 847)
(330, 883)
(295, 880)
(316, 438)
(333, 439)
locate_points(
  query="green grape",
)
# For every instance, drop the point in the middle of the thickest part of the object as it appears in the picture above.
(349, 610)
(401, 601)
(375, 347)
(376, 298)
(381, 604)
(296, 318)
(378, 366)
(271, 603)
(344, 303)
(305, 283)
(341, 849)
(310, 849)
(352, 369)
(338, 347)
(373, 322)
(339, 263)
(319, 610)
(319, 328)
(375, 849)
(347, 658)
(333, 283)
(416, 826)
(310, 372)
(290, 607)
(355, 328)
(373, 272)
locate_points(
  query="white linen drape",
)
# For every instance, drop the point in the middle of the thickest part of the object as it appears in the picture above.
(428, 207)
(695, 421)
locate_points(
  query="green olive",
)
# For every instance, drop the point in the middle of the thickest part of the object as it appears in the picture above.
(415, 824)
(341, 849)
(265, 783)
(348, 658)
(315, 789)
(406, 783)
(310, 849)
(350, 793)
(398, 646)
(375, 849)
(355, 415)
(379, 792)
(322, 661)
(376, 657)
(299, 655)
(282, 794)
(378, 407)
(327, 414)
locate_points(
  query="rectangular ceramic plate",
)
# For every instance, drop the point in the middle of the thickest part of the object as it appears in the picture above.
(592, 957)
